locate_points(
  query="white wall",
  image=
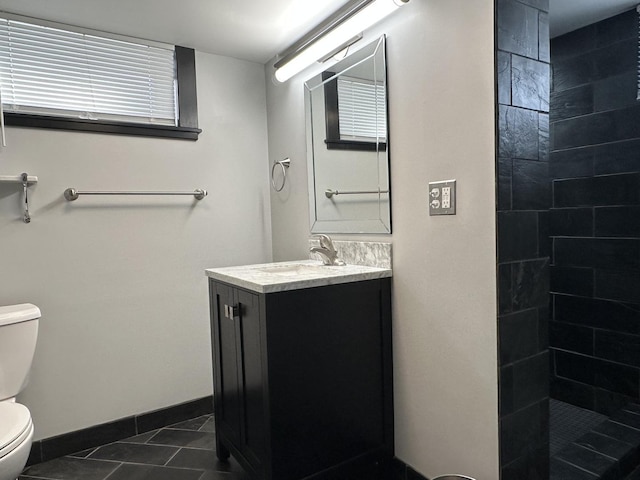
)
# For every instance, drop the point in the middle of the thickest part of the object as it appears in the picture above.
(120, 280)
(441, 94)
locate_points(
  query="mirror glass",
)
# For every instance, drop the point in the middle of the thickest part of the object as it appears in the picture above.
(347, 145)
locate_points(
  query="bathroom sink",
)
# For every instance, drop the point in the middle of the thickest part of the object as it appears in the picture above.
(282, 276)
(299, 268)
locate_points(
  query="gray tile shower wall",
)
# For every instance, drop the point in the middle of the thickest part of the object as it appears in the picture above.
(523, 202)
(594, 222)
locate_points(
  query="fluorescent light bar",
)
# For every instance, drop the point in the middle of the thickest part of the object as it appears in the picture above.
(338, 36)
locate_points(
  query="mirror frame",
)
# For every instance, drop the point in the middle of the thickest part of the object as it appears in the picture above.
(366, 226)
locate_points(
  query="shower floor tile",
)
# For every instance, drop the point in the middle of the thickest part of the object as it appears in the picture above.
(184, 451)
(569, 423)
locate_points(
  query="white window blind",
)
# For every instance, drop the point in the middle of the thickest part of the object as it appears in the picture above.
(361, 110)
(51, 71)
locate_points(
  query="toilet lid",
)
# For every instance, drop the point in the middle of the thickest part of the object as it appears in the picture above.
(18, 313)
(14, 420)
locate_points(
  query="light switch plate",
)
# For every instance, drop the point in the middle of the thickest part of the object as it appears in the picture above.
(442, 197)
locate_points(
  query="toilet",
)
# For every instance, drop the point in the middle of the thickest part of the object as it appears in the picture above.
(18, 334)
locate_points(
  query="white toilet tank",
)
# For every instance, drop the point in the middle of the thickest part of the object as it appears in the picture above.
(18, 335)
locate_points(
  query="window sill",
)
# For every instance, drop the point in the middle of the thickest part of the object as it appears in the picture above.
(100, 126)
(354, 145)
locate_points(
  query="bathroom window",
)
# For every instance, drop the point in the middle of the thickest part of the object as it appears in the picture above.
(356, 114)
(55, 76)
(361, 108)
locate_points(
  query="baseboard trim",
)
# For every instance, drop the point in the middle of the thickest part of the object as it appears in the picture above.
(402, 471)
(76, 441)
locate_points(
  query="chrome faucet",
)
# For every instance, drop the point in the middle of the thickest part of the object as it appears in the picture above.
(327, 251)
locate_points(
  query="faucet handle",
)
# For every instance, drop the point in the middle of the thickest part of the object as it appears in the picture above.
(327, 250)
(326, 242)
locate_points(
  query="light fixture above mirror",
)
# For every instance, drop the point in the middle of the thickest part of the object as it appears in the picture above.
(336, 33)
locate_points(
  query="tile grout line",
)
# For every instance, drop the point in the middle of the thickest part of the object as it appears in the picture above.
(166, 464)
(112, 472)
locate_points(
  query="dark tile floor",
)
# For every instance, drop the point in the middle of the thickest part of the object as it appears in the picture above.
(184, 451)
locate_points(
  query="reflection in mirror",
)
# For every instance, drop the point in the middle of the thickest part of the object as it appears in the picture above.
(347, 145)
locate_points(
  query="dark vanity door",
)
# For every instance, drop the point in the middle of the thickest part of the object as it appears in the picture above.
(238, 378)
(253, 382)
(227, 399)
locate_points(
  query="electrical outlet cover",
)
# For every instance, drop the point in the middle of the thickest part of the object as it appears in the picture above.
(442, 197)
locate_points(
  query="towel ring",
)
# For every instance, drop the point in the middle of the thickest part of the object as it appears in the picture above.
(284, 164)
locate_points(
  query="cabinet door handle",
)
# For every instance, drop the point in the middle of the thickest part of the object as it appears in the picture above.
(231, 311)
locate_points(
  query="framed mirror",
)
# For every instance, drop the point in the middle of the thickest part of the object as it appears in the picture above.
(348, 145)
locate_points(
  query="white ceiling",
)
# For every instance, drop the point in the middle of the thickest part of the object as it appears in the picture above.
(568, 15)
(254, 30)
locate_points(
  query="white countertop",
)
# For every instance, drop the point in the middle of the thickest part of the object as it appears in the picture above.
(283, 276)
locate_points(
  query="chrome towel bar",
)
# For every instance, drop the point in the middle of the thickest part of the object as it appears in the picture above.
(72, 194)
(330, 193)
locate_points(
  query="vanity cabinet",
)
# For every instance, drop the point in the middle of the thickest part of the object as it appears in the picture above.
(303, 379)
